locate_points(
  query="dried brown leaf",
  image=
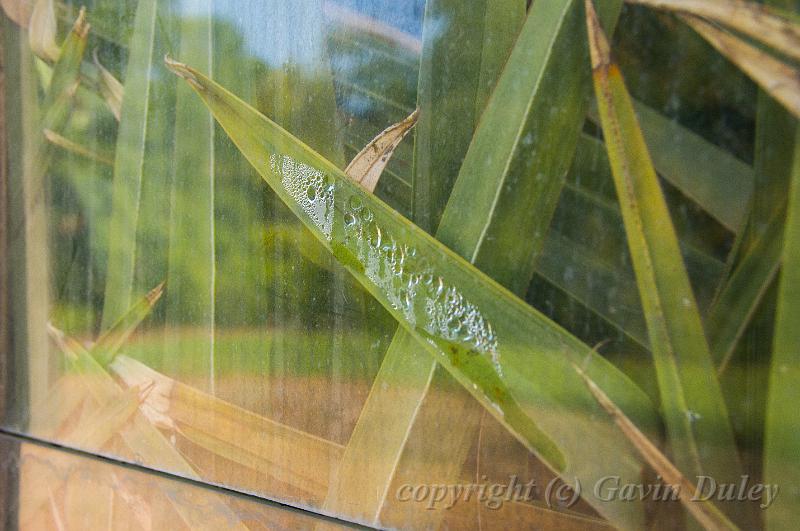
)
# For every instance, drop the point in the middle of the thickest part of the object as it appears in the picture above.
(757, 21)
(42, 31)
(709, 516)
(781, 81)
(366, 167)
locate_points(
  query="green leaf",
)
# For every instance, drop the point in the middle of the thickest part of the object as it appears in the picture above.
(191, 269)
(463, 54)
(450, 103)
(755, 257)
(66, 74)
(111, 341)
(523, 146)
(741, 295)
(510, 357)
(129, 166)
(781, 447)
(110, 88)
(713, 178)
(697, 423)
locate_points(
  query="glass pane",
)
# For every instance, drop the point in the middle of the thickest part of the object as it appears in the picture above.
(562, 282)
(65, 490)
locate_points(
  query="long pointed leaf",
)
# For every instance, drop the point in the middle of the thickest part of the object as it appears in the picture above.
(740, 297)
(110, 341)
(128, 167)
(450, 102)
(699, 432)
(110, 88)
(705, 512)
(461, 60)
(190, 299)
(507, 355)
(781, 447)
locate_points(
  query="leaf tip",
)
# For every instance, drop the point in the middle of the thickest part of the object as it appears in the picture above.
(154, 294)
(81, 27)
(413, 118)
(599, 49)
(183, 71)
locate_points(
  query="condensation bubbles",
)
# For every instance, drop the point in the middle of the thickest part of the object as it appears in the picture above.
(311, 189)
(408, 280)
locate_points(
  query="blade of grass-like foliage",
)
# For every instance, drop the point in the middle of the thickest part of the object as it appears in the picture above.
(110, 88)
(522, 148)
(755, 257)
(73, 147)
(147, 443)
(511, 358)
(704, 511)
(402, 363)
(742, 293)
(366, 167)
(57, 104)
(108, 344)
(463, 54)
(595, 271)
(714, 179)
(65, 396)
(772, 26)
(42, 30)
(128, 166)
(698, 428)
(781, 449)
(777, 78)
(455, 53)
(270, 449)
(192, 254)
